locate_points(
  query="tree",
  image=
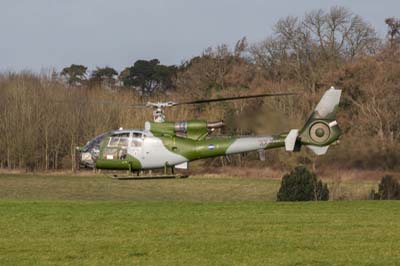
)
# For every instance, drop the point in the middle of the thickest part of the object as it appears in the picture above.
(340, 32)
(389, 189)
(216, 69)
(75, 74)
(302, 185)
(393, 30)
(105, 76)
(148, 76)
(306, 48)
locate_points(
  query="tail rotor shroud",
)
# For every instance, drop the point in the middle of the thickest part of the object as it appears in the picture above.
(321, 129)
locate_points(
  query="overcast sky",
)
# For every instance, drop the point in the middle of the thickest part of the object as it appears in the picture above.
(42, 34)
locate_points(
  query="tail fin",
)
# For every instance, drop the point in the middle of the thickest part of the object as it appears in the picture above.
(321, 128)
(328, 105)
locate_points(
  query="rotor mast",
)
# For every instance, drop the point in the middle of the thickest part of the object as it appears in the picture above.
(158, 110)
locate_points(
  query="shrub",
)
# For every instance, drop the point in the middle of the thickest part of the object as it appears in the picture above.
(389, 189)
(302, 185)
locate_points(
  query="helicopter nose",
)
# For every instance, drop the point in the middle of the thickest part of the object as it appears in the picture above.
(86, 159)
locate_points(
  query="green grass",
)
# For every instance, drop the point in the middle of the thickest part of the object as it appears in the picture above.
(197, 188)
(205, 220)
(189, 233)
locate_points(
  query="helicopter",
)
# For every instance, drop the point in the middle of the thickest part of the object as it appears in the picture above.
(170, 145)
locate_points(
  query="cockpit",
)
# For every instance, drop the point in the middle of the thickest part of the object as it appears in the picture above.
(112, 145)
(90, 152)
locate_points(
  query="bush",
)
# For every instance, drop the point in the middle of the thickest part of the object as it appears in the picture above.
(302, 185)
(389, 189)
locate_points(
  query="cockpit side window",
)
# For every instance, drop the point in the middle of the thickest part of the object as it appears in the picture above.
(136, 139)
(94, 144)
(119, 140)
(136, 135)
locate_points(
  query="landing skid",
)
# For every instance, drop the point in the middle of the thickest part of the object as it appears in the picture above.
(145, 177)
(138, 175)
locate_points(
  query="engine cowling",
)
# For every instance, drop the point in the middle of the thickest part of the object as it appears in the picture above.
(192, 129)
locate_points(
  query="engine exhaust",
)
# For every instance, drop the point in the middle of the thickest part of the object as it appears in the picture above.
(216, 124)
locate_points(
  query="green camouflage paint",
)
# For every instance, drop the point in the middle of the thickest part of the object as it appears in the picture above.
(187, 140)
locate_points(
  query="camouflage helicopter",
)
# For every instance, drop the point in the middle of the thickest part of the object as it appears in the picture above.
(169, 145)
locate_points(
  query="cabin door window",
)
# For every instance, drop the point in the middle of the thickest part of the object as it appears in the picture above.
(136, 146)
(117, 147)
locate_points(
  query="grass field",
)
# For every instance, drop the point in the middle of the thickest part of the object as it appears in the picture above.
(61, 220)
(196, 188)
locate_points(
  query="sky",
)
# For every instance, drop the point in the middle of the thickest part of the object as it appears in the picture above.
(45, 34)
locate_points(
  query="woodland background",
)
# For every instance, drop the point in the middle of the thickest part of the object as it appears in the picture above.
(43, 117)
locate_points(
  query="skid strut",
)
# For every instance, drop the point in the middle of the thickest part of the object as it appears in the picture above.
(138, 175)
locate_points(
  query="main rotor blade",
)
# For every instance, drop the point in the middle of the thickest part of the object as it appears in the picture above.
(101, 102)
(121, 104)
(237, 98)
(171, 104)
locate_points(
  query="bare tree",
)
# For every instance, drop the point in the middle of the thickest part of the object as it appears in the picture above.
(393, 30)
(307, 48)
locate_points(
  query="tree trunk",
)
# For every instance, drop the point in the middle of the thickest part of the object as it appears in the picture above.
(8, 158)
(55, 166)
(46, 151)
(73, 157)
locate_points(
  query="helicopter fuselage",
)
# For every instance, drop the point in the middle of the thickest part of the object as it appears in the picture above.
(174, 144)
(137, 150)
